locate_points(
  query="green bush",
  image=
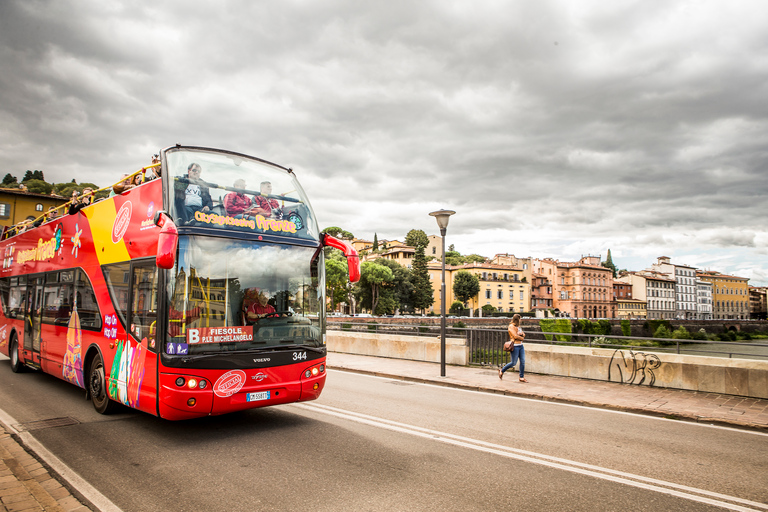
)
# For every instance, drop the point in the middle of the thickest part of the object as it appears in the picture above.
(460, 325)
(701, 335)
(663, 332)
(681, 333)
(555, 325)
(423, 329)
(626, 328)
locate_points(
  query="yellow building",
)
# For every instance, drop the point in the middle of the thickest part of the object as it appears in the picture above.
(627, 309)
(17, 205)
(504, 287)
(401, 253)
(730, 295)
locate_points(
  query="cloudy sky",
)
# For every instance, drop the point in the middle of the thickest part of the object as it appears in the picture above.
(553, 128)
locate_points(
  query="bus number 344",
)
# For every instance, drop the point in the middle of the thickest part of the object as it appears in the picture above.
(299, 356)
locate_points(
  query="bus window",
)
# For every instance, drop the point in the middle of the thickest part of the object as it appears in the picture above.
(17, 297)
(144, 303)
(231, 192)
(59, 296)
(117, 277)
(233, 295)
(85, 301)
(5, 288)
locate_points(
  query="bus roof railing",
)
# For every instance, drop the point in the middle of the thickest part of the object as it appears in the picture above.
(24, 225)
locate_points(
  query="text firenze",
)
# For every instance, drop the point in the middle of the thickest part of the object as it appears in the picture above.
(259, 222)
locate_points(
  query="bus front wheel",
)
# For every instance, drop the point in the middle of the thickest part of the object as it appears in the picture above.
(13, 352)
(98, 387)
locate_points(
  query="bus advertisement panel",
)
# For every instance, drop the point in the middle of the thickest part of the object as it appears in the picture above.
(199, 293)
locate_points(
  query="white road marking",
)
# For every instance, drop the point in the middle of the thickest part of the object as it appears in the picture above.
(592, 408)
(670, 488)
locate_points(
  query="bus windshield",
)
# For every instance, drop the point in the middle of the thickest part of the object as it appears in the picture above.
(231, 295)
(233, 192)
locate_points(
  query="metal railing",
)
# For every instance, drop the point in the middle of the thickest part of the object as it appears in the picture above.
(486, 346)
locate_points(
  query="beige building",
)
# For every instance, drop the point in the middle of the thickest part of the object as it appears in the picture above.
(17, 205)
(657, 290)
(502, 286)
(730, 295)
(400, 253)
(630, 309)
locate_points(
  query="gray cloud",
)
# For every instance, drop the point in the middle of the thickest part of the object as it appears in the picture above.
(550, 127)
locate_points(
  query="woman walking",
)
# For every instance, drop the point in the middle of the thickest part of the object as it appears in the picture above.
(516, 335)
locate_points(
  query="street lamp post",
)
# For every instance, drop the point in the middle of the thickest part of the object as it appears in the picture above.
(442, 217)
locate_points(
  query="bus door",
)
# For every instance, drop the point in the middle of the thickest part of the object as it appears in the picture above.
(143, 329)
(32, 318)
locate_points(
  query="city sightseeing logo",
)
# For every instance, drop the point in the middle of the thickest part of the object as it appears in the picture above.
(259, 222)
(122, 220)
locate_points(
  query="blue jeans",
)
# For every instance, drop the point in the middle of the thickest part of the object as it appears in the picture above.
(518, 352)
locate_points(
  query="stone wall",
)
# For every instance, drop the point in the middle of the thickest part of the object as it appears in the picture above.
(743, 377)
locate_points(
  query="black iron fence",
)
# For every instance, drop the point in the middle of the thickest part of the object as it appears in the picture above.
(486, 346)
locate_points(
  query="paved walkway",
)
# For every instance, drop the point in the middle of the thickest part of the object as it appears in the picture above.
(26, 485)
(696, 406)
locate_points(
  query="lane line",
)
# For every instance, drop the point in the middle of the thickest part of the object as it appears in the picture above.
(681, 491)
(89, 492)
(540, 401)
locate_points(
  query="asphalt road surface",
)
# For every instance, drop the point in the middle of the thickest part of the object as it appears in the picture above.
(374, 444)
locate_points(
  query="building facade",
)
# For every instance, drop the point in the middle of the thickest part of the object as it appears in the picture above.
(17, 205)
(730, 295)
(703, 300)
(502, 286)
(685, 287)
(758, 309)
(582, 289)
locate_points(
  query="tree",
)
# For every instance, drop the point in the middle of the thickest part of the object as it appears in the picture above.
(336, 275)
(400, 290)
(454, 258)
(29, 175)
(339, 233)
(39, 187)
(416, 238)
(423, 296)
(375, 242)
(372, 277)
(488, 309)
(456, 308)
(9, 180)
(465, 286)
(608, 263)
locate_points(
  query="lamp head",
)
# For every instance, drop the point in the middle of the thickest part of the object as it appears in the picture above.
(442, 217)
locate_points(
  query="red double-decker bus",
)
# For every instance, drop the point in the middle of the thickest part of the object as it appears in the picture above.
(197, 293)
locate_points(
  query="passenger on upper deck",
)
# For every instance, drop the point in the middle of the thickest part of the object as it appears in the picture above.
(236, 202)
(265, 206)
(192, 192)
(85, 200)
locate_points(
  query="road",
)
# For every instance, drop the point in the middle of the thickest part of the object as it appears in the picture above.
(381, 444)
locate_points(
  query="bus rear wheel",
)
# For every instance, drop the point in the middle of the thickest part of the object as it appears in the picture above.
(97, 386)
(16, 365)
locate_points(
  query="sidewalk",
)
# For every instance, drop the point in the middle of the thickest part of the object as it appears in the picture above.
(26, 485)
(726, 410)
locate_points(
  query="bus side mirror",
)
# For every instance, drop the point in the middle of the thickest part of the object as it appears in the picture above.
(353, 260)
(167, 241)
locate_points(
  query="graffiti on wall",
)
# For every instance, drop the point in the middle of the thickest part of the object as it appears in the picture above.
(634, 368)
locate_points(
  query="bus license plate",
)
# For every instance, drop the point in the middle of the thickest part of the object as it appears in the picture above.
(255, 397)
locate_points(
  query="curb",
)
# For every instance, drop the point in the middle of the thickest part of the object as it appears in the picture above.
(38, 481)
